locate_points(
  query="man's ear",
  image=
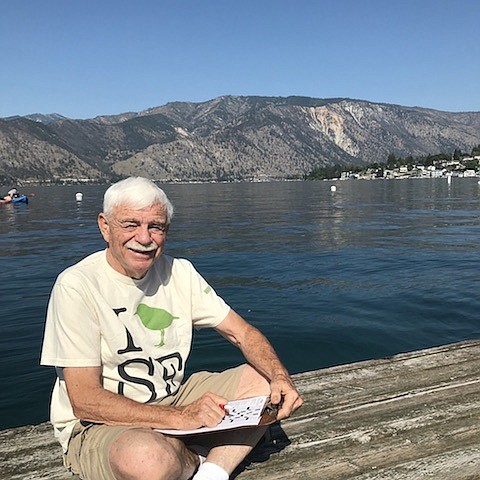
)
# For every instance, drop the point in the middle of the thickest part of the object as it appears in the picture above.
(103, 226)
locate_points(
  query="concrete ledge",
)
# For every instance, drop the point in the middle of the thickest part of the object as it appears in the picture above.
(412, 416)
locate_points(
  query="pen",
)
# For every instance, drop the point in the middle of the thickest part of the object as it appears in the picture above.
(223, 406)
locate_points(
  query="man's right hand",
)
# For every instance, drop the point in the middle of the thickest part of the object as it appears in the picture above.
(206, 411)
(92, 402)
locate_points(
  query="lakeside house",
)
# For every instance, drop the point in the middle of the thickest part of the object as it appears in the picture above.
(439, 169)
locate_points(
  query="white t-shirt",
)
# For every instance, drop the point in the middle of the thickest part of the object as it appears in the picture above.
(138, 331)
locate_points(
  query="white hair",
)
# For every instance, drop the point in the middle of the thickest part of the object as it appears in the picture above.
(138, 193)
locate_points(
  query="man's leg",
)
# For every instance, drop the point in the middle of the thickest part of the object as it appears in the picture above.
(148, 455)
(231, 447)
(134, 453)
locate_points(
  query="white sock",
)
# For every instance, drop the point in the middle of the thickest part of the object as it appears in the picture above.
(210, 471)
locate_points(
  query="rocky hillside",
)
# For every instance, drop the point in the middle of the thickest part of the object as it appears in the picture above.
(227, 138)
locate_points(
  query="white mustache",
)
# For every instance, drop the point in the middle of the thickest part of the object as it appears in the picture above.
(133, 245)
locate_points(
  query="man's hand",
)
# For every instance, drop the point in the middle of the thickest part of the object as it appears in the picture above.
(284, 394)
(206, 411)
(92, 402)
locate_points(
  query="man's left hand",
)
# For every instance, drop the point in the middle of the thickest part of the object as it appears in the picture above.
(284, 394)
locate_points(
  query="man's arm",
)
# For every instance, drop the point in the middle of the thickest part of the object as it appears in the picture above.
(258, 351)
(91, 402)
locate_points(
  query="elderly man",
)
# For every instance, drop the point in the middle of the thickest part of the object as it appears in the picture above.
(119, 330)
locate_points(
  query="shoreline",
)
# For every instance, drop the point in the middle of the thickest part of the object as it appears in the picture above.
(25, 183)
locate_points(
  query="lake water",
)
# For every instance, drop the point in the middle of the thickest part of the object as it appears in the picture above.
(373, 269)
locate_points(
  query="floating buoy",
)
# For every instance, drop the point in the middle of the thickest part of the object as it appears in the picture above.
(79, 196)
(333, 188)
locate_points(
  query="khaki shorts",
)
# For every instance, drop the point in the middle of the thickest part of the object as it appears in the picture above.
(89, 446)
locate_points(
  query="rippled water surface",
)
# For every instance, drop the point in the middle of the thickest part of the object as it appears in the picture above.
(376, 268)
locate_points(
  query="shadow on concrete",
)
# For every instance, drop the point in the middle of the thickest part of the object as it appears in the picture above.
(274, 441)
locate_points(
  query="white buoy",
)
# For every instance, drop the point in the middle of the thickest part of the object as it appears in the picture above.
(333, 188)
(79, 196)
(449, 179)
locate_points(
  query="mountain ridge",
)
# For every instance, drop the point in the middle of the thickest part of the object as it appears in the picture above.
(228, 138)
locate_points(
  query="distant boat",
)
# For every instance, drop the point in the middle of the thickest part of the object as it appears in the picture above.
(19, 199)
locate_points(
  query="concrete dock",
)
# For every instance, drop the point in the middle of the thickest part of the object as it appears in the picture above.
(412, 416)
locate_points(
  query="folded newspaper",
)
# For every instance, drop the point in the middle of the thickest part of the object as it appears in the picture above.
(248, 412)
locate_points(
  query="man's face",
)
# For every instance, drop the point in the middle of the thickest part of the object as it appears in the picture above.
(135, 238)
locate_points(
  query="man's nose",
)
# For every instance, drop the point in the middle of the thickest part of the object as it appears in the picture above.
(142, 235)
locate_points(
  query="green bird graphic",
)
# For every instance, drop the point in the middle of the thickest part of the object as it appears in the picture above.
(155, 319)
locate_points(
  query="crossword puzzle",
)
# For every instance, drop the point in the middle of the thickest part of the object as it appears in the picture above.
(243, 413)
(238, 413)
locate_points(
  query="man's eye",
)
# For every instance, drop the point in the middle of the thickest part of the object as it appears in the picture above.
(158, 228)
(129, 226)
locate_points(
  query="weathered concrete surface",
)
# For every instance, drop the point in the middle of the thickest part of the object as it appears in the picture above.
(31, 453)
(413, 416)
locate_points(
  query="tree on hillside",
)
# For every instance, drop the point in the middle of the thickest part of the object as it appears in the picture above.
(391, 161)
(471, 164)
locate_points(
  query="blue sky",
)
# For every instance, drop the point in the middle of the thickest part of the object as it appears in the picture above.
(83, 58)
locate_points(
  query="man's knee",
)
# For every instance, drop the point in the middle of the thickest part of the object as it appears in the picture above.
(144, 454)
(252, 383)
